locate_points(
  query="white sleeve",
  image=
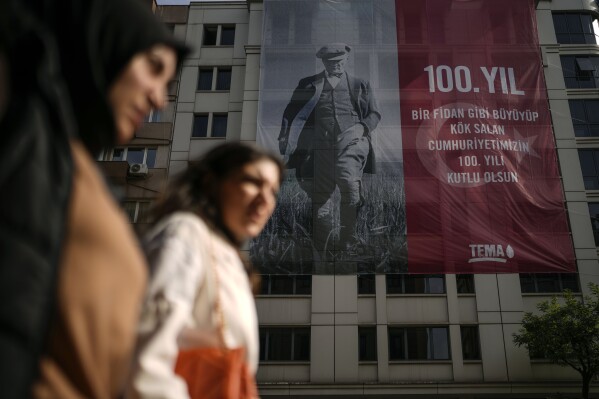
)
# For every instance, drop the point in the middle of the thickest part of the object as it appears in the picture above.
(176, 262)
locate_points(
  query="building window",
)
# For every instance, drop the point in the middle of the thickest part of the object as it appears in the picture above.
(470, 342)
(548, 282)
(227, 35)
(589, 163)
(571, 28)
(580, 71)
(210, 125)
(419, 343)
(219, 35)
(154, 116)
(585, 117)
(366, 284)
(219, 75)
(275, 284)
(367, 344)
(219, 125)
(223, 78)
(290, 344)
(465, 283)
(594, 212)
(133, 155)
(137, 211)
(415, 284)
(210, 34)
(205, 79)
(200, 126)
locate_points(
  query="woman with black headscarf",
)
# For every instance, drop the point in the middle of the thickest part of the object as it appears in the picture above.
(75, 76)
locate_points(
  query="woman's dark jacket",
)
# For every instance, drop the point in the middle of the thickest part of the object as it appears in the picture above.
(57, 60)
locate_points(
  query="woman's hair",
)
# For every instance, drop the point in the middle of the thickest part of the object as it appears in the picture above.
(196, 190)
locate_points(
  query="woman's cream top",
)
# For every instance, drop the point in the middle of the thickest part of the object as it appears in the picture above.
(184, 255)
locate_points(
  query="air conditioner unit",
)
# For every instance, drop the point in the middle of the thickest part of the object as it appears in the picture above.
(138, 170)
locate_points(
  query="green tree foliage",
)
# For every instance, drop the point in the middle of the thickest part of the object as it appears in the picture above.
(566, 332)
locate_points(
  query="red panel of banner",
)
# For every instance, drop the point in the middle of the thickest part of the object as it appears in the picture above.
(483, 192)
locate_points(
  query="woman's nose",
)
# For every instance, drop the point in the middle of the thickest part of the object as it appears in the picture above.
(158, 97)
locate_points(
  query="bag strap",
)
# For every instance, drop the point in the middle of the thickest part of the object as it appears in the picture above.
(216, 304)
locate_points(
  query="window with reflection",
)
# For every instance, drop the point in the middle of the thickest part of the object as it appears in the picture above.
(465, 283)
(575, 28)
(210, 125)
(548, 282)
(366, 284)
(205, 79)
(367, 343)
(580, 71)
(589, 163)
(285, 284)
(284, 344)
(585, 117)
(218, 35)
(419, 343)
(594, 212)
(470, 342)
(143, 155)
(415, 284)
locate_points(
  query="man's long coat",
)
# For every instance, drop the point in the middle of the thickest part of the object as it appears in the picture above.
(298, 125)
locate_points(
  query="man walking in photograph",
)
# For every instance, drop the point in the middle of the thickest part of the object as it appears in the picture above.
(326, 134)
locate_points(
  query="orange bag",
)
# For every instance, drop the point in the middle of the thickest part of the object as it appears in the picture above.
(216, 373)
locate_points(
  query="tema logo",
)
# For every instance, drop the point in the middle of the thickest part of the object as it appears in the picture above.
(490, 253)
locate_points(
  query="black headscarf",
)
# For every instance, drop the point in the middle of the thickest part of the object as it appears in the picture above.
(62, 56)
(96, 40)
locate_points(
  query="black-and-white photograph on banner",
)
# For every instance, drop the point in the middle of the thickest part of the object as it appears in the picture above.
(329, 104)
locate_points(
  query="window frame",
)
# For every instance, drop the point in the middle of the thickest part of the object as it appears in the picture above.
(594, 221)
(208, 28)
(402, 331)
(585, 124)
(561, 34)
(214, 72)
(362, 331)
(583, 79)
(208, 72)
(217, 71)
(218, 41)
(265, 340)
(267, 280)
(365, 280)
(478, 354)
(214, 116)
(468, 284)
(591, 178)
(406, 278)
(220, 38)
(109, 155)
(536, 277)
(209, 125)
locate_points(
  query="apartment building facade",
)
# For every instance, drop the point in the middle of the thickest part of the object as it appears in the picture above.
(366, 333)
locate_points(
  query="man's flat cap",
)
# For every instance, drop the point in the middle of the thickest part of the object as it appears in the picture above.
(333, 51)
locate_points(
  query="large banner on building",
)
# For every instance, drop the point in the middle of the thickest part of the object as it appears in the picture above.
(483, 192)
(417, 135)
